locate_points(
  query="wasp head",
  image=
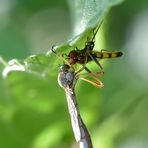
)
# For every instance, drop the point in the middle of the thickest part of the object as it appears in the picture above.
(89, 45)
(72, 57)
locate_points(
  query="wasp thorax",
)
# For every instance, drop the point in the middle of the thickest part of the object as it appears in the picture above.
(89, 45)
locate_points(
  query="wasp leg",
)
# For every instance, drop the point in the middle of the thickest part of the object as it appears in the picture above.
(95, 60)
(87, 41)
(81, 69)
(97, 82)
(104, 50)
(84, 65)
(94, 75)
(94, 83)
(76, 48)
(60, 56)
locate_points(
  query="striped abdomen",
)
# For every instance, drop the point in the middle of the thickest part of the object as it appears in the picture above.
(107, 54)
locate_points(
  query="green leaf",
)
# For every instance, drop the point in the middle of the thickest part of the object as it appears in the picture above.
(89, 13)
(28, 83)
(86, 15)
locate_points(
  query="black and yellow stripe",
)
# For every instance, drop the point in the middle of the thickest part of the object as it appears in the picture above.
(107, 54)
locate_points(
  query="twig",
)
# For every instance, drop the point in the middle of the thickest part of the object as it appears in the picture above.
(67, 79)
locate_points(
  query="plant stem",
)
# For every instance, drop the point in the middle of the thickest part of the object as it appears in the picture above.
(67, 79)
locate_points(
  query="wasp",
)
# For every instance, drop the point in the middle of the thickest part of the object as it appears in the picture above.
(86, 55)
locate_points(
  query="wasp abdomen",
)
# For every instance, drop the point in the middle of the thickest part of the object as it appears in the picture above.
(104, 55)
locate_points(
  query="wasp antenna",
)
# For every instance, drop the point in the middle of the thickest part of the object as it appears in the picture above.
(94, 33)
(76, 48)
(60, 56)
(87, 41)
(52, 49)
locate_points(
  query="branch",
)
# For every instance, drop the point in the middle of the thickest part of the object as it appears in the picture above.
(67, 80)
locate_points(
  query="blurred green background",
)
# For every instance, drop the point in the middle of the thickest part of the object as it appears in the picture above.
(116, 115)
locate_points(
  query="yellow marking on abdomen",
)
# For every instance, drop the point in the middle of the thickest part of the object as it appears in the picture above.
(104, 55)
